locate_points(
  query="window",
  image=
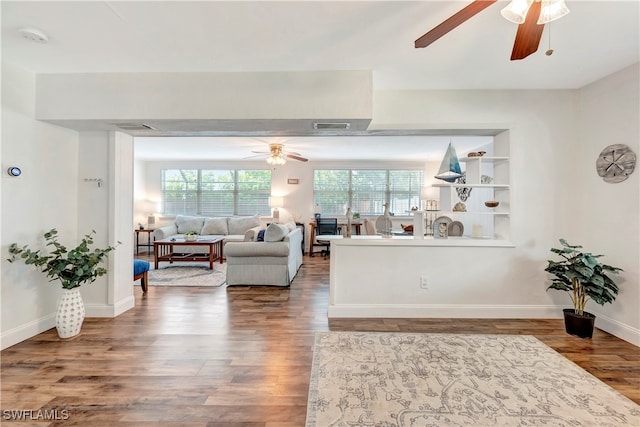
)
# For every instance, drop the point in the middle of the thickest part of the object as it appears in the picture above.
(216, 192)
(366, 191)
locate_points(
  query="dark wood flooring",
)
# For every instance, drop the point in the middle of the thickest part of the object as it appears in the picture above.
(231, 357)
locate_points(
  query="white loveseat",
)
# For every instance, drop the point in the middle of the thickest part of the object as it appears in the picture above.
(272, 262)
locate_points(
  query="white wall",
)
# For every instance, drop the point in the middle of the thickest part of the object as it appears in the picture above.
(285, 96)
(93, 202)
(108, 209)
(549, 131)
(608, 219)
(52, 193)
(45, 196)
(553, 184)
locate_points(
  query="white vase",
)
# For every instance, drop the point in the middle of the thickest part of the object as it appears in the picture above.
(70, 313)
(383, 222)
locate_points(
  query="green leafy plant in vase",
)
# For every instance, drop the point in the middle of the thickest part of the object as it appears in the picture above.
(585, 278)
(72, 268)
(190, 236)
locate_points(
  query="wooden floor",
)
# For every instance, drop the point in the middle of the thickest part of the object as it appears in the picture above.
(231, 357)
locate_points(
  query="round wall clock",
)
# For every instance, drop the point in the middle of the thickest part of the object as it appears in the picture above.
(615, 163)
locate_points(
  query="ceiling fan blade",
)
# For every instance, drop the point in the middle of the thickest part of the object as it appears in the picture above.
(294, 157)
(449, 24)
(292, 152)
(260, 152)
(529, 34)
(257, 155)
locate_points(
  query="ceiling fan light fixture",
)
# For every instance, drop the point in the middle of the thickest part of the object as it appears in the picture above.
(276, 160)
(552, 10)
(516, 11)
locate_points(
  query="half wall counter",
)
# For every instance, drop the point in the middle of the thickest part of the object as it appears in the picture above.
(458, 277)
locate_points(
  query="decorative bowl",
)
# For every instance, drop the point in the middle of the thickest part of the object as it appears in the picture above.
(476, 154)
(190, 237)
(491, 203)
(460, 207)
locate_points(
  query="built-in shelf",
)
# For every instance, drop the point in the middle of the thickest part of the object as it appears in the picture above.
(453, 185)
(486, 178)
(483, 159)
(474, 213)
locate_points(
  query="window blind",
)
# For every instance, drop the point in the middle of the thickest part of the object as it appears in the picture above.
(366, 190)
(216, 192)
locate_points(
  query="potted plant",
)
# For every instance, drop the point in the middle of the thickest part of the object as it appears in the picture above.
(72, 268)
(584, 277)
(190, 236)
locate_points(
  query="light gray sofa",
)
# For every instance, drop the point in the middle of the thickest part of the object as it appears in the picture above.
(233, 229)
(274, 261)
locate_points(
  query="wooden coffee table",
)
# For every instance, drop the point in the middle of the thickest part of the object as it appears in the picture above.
(175, 250)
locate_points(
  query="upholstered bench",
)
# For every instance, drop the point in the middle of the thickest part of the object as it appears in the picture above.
(140, 270)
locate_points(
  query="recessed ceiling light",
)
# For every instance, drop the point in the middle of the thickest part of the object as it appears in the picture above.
(34, 35)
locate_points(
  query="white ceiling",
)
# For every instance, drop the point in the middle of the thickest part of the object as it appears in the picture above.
(596, 39)
(345, 148)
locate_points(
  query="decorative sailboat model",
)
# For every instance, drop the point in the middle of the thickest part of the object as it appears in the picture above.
(450, 166)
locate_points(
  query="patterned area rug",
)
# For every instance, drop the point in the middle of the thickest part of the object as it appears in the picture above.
(436, 380)
(188, 274)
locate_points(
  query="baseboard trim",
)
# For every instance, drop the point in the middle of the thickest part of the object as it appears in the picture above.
(620, 330)
(35, 327)
(460, 311)
(26, 331)
(472, 311)
(105, 310)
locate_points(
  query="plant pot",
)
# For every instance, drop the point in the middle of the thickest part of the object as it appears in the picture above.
(190, 238)
(579, 325)
(70, 313)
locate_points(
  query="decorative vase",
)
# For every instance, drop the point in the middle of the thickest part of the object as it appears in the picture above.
(349, 215)
(579, 325)
(383, 222)
(70, 313)
(190, 238)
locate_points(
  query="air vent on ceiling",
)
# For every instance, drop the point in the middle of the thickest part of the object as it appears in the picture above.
(332, 126)
(133, 126)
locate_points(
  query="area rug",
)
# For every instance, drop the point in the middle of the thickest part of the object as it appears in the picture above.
(188, 274)
(436, 380)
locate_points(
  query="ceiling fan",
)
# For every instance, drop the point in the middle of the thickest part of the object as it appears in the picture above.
(531, 15)
(278, 156)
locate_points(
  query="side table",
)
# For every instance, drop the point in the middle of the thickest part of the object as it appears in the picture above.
(148, 243)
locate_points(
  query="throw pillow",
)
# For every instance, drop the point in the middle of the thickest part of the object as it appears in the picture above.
(189, 223)
(215, 226)
(260, 237)
(251, 234)
(275, 232)
(291, 225)
(240, 224)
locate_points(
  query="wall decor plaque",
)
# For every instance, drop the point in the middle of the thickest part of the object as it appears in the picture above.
(615, 163)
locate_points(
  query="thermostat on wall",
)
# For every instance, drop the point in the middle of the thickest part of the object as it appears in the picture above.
(14, 171)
